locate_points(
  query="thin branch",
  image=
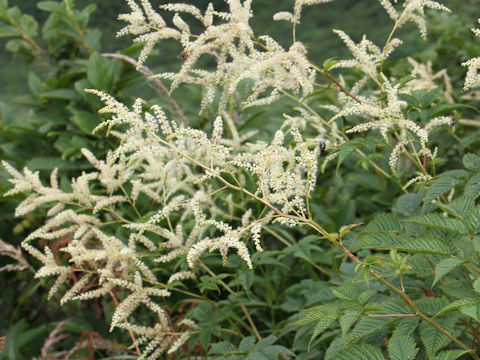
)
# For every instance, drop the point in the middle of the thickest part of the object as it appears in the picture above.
(154, 83)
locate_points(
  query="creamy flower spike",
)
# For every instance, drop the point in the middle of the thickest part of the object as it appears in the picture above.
(229, 38)
(473, 77)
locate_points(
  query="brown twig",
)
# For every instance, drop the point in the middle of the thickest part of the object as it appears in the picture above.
(340, 86)
(155, 83)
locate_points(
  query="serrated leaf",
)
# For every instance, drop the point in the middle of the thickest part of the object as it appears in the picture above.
(472, 188)
(346, 292)
(425, 246)
(264, 342)
(247, 344)
(369, 325)
(472, 310)
(347, 148)
(474, 221)
(378, 240)
(427, 98)
(440, 186)
(406, 326)
(431, 305)
(437, 221)
(450, 354)
(319, 312)
(384, 222)
(408, 203)
(457, 304)
(444, 266)
(434, 339)
(322, 324)
(476, 285)
(472, 162)
(221, 348)
(348, 319)
(360, 351)
(460, 207)
(402, 348)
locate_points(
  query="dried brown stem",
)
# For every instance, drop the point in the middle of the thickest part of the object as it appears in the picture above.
(155, 83)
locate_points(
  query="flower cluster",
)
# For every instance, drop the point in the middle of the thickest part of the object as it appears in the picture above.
(190, 175)
(232, 43)
(172, 165)
(473, 78)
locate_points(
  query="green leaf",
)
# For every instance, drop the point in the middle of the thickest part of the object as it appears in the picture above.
(346, 292)
(450, 354)
(402, 348)
(222, 347)
(409, 99)
(460, 207)
(85, 120)
(426, 246)
(429, 97)
(474, 220)
(327, 64)
(457, 304)
(407, 204)
(434, 339)
(51, 6)
(360, 351)
(8, 31)
(444, 266)
(446, 108)
(404, 80)
(440, 186)
(323, 316)
(347, 148)
(471, 310)
(472, 188)
(315, 93)
(406, 326)
(476, 285)
(247, 343)
(368, 325)
(317, 312)
(437, 221)
(61, 94)
(348, 319)
(246, 279)
(431, 305)
(384, 222)
(378, 240)
(205, 337)
(100, 72)
(472, 162)
(29, 25)
(35, 84)
(50, 163)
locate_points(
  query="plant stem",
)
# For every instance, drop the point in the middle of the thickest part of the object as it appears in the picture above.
(242, 305)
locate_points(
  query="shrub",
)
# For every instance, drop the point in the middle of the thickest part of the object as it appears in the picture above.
(374, 257)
